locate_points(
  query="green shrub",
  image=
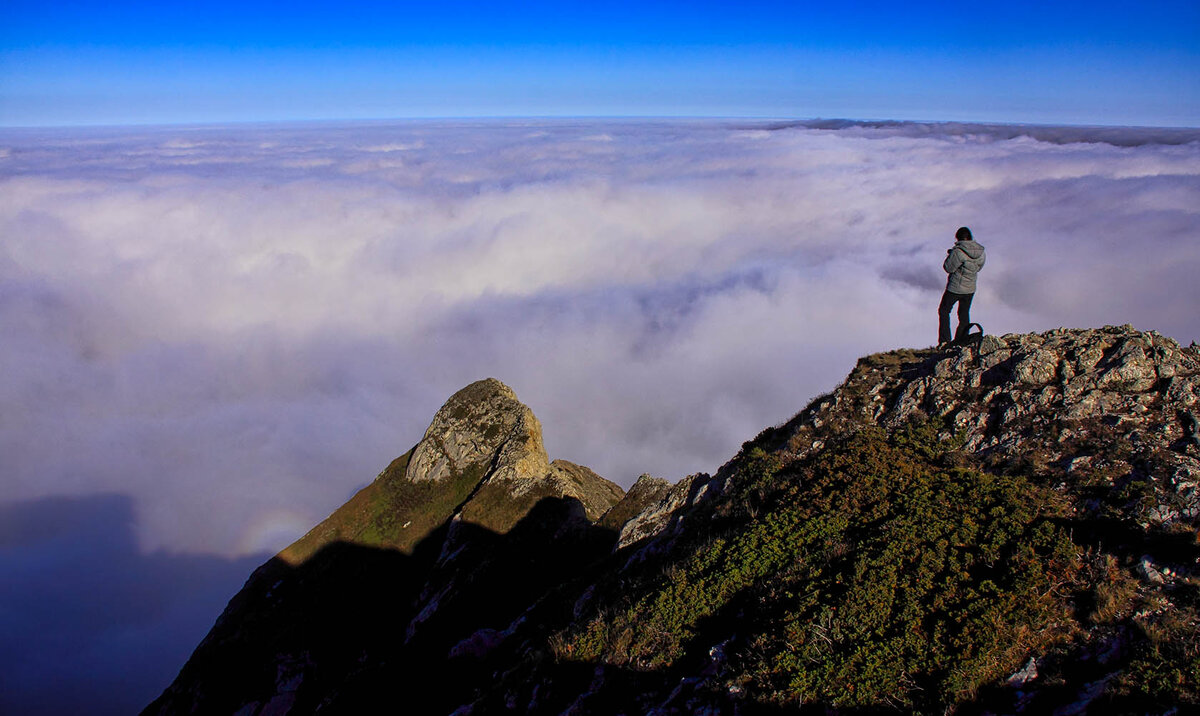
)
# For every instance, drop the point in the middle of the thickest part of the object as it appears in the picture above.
(1165, 668)
(875, 578)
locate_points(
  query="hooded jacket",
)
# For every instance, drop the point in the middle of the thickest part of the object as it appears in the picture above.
(962, 263)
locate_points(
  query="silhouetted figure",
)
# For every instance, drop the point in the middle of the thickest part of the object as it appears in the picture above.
(962, 263)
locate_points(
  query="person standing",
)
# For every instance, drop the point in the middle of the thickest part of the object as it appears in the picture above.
(963, 262)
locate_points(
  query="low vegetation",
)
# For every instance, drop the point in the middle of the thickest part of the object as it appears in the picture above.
(874, 575)
(391, 512)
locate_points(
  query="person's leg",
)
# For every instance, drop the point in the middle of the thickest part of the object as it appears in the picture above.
(944, 317)
(964, 316)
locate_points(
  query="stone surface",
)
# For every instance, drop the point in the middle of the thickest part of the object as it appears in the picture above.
(667, 508)
(597, 494)
(484, 428)
(646, 491)
(483, 423)
(1054, 400)
(1028, 673)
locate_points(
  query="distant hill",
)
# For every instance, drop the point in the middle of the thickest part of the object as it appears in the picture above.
(1115, 136)
(1004, 527)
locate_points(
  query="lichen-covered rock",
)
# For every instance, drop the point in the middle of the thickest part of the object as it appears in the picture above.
(1038, 367)
(480, 424)
(1049, 401)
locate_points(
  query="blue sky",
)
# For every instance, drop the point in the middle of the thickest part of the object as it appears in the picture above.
(142, 62)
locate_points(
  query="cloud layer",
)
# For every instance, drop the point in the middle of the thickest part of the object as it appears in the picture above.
(238, 326)
(213, 336)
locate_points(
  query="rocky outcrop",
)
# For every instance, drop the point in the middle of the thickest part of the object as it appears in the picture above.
(485, 433)
(597, 495)
(482, 427)
(1074, 406)
(1077, 408)
(481, 461)
(645, 492)
(667, 508)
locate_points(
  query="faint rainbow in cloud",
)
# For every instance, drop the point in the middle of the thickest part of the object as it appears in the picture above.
(272, 530)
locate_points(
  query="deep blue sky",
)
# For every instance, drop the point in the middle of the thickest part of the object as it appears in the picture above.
(150, 62)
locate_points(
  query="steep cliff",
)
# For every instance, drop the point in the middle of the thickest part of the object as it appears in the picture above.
(1003, 527)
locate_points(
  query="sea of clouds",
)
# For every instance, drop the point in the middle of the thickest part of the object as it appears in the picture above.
(218, 334)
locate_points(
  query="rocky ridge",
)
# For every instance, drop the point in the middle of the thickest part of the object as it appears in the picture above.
(1003, 527)
(1096, 427)
(459, 533)
(1072, 406)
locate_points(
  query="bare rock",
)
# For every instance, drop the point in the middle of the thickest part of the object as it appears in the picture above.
(1036, 368)
(597, 494)
(480, 424)
(669, 510)
(1149, 572)
(1026, 674)
(644, 493)
(483, 430)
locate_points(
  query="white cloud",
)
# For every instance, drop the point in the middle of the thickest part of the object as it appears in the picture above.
(230, 325)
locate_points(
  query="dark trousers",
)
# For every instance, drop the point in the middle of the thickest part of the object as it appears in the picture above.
(964, 315)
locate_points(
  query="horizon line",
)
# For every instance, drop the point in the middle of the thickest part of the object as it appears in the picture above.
(566, 117)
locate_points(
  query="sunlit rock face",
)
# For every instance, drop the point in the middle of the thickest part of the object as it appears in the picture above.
(481, 460)
(482, 425)
(484, 430)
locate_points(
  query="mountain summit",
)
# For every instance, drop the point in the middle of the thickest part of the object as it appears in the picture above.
(481, 461)
(461, 532)
(1004, 527)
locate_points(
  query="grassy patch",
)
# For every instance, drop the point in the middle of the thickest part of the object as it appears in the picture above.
(392, 512)
(1165, 668)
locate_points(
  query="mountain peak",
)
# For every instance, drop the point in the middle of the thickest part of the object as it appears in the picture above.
(482, 426)
(481, 461)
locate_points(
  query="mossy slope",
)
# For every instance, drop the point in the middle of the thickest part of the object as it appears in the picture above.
(870, 575)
